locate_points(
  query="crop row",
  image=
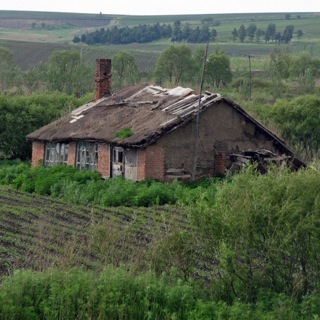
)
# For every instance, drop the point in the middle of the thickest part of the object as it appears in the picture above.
(38, 232)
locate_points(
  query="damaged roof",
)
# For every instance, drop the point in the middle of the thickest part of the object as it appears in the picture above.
(149, 111)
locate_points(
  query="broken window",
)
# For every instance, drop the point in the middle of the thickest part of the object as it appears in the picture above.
(117, 162)
(87, 155)
(117, 154)
(56, 153)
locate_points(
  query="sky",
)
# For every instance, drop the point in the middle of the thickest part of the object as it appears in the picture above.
(162, 7)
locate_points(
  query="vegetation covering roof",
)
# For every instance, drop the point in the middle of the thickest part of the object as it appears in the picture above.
(149, 111)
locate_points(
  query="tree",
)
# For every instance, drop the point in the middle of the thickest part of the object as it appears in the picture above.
(218, 71)
(175, 65)
(213, 34)
(288, 34)
(299, 121)
(299, 34)
(259, 34)
(76, 39)
(67, 74)
(10, 76)
(279, 64)
(176, 32)
(234, 34)
(288, 16)
(20, 115)
(305, 62)
(251, 31)
(242, 33)
(270, 32)
(125, 70)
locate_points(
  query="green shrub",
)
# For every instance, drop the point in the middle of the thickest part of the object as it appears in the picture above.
(87, 188)
(263, 232)
(119, 294)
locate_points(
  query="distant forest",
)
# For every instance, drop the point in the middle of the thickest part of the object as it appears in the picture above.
(148, 33)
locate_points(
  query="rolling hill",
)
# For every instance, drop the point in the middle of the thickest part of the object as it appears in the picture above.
(34, 36)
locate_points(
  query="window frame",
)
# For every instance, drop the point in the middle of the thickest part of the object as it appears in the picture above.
(56, 153)
(87, 155)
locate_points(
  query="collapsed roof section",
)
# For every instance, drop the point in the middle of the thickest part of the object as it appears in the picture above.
(148, 111)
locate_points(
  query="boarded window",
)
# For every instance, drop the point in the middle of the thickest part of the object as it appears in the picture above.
(56, 153)
(87, 155)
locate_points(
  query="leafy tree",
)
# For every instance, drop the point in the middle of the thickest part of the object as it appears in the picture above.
(288, 34)
(198, 57)
(21, 115)
(299, 34)
(176, 32)
(242, 33)
(279, 64)
(259, 34)
(288, 16)
(251, 31)
(213, 34)
(67, 74)
(234, 34)
(175, 65)
(9, 74)
(76, 39)
(218, 69)
(299, 121)
(270, 32)
(278, 37)
(305, 62)
(125, 70)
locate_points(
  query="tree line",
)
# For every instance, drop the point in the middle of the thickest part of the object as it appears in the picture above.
(148, 33)
(269, 35)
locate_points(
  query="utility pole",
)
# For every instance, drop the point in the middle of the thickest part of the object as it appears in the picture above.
(250, 75)
(198, 115)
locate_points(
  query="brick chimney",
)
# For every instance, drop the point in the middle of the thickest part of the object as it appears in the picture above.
(103, 75)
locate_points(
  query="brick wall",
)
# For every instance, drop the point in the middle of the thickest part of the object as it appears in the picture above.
(141, 174)
(154, 162)
(37, 153)
(104, 160)
(72, 154)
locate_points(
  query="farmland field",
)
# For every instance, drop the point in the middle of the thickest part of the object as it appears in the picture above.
(38, 232)
(34, 36)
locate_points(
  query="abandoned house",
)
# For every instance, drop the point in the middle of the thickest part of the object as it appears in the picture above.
(149, 131)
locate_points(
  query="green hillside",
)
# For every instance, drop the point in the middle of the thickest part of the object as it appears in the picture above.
(34, 36)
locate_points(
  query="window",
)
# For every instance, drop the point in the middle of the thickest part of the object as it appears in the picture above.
(56, 153)
(117, 154)
(87, 155)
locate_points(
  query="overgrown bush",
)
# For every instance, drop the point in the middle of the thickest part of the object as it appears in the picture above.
(20, 115)
(119, 294)
(263, 233)
(87, 188)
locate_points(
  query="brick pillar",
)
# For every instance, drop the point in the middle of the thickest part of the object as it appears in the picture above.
(104, 160)
(103, 75)
(38, 148)
(219, 164)
(72, 153)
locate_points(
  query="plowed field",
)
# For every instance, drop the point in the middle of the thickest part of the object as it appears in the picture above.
(38, 232)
